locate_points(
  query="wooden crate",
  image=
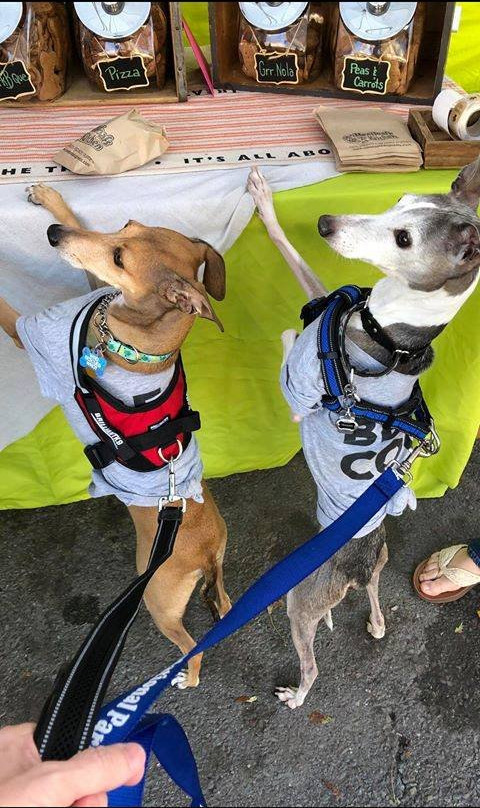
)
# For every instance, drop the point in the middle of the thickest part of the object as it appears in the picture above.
(427, 83)
(80, 92)
(439, 149)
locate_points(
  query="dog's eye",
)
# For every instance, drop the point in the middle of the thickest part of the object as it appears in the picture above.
(402, 237)
(117, 257)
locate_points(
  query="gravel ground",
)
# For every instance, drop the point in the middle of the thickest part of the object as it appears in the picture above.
(404, 728)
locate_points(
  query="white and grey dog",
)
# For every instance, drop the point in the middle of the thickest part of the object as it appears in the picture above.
(428, 248)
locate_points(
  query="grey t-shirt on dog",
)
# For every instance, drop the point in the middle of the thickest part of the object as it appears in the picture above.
(46, 338)
(344, 465)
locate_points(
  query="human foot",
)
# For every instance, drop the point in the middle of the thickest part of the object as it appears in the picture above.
(439, 575)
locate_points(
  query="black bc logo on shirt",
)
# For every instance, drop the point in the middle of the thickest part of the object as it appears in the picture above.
(358, 466)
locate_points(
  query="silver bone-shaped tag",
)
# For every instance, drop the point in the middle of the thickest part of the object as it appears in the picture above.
(346, 423)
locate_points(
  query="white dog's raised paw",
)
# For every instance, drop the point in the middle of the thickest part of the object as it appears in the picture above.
(289, 695)
(376, 630)
(260, 191)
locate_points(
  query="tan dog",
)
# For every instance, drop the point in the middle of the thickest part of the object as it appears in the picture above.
(157, 272)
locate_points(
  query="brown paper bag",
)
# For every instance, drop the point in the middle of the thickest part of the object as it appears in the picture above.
(369, 140)
(118, 145)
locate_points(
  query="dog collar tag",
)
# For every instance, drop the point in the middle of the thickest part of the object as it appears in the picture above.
(346, 424)
(93, 360)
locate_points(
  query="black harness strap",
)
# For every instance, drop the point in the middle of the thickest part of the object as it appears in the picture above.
(166, 434)
(380, 336)
(69, 715)
(116, 444)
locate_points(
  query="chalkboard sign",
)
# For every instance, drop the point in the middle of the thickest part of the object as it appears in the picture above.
(276, 68)
(365, 75)
(123, 73)
(15, 81)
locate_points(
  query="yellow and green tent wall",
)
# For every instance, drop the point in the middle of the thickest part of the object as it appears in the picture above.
(233, 377)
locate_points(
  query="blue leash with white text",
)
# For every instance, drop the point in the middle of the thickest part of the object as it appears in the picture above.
(122, 719)
(67, 721)
(72, 716)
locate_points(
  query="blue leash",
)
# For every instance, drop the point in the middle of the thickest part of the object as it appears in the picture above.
(124, 718)
(72, 716)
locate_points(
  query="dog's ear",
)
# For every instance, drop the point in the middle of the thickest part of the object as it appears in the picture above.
(184, 296)
(466, 188)
(214, 274)
(468, 243)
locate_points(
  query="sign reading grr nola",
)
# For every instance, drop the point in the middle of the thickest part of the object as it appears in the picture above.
(276, 68)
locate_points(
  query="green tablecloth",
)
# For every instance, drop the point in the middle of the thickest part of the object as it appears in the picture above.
(233, 378)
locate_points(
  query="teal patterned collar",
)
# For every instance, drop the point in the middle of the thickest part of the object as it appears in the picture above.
(131, 354)
(110, 343)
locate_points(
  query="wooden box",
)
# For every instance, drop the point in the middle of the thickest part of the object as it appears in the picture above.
(439, 149)
(426, 84)
(81, 93)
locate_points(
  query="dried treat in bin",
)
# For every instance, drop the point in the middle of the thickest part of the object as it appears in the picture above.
(280, 43)
(34, 52)
(376, 45)
(122, 45)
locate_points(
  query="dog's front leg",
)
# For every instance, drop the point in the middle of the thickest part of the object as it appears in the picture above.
(54, 202)
(262, 196)
(8, 320)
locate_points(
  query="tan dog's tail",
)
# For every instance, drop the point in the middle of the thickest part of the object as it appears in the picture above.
(209, 588)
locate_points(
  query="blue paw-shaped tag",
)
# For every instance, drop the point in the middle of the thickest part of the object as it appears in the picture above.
(93, 360)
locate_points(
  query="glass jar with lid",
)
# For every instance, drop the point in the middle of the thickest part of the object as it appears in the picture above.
(34, 51)
(122, 45)
(280, 43)
(376, 45)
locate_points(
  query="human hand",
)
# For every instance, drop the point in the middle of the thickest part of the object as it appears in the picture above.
(25, 780)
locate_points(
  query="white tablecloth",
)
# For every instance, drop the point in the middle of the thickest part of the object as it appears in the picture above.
(210, 205)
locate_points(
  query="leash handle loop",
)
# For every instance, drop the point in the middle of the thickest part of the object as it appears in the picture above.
(68, 717)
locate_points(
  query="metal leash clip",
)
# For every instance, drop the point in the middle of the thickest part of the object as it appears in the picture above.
(347, 423)
(427, 447)
(172, 496)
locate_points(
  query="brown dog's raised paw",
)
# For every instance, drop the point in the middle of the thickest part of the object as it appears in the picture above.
(41, 194)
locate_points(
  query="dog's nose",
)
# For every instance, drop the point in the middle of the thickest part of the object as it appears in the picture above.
(54, 234)
(325, 226)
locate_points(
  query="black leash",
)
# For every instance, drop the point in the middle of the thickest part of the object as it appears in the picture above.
(69, 715)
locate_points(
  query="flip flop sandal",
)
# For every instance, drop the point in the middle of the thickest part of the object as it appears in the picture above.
(462, 578)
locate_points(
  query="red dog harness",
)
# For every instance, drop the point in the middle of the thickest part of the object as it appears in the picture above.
(134, 435)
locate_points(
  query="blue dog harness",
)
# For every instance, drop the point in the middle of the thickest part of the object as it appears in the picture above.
(72, 717)
(412, 418)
